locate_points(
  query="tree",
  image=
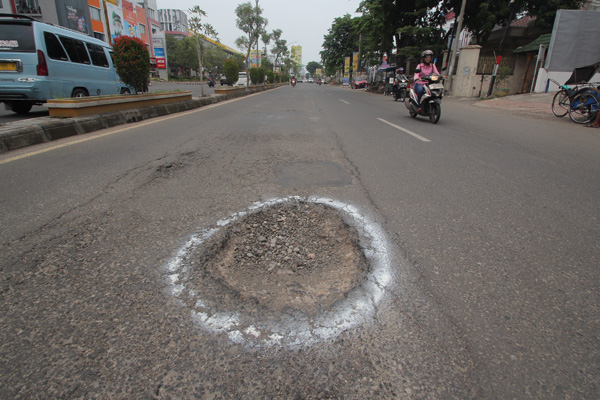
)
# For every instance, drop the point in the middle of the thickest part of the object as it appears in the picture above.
(266, 39)
(280, 49)
(339, 42)
(410, 26)
(481, 17)
(250, 21)
(132, 62)
(199, 29)
(312, 66)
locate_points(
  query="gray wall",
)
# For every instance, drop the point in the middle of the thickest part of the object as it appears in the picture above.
(574, 40)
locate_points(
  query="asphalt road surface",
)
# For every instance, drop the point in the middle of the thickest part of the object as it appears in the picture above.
(484, 243)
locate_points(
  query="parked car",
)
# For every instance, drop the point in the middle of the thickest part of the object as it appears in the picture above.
(39, 61)
(242, 79)
(311, 80)
(223, 81)
(359, 82)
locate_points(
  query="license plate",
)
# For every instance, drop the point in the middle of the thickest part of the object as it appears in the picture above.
(8, 66)
(391, 80)
(436, 86)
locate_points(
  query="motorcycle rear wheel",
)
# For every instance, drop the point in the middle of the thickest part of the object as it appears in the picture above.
(413, 114)
(435, 111)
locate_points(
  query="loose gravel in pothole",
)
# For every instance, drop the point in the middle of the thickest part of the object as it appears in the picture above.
(292, 257)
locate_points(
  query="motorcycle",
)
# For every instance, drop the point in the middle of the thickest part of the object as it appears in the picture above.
(431, 101)
(293, 82)
(399, 92)
(211, 82)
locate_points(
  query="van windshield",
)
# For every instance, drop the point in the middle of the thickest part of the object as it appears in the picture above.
(16, 37)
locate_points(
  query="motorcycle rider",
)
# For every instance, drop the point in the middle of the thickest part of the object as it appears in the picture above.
(400, 75)
(427, 67)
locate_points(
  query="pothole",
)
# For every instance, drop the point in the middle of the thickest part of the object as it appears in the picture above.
(297, 256)
(291, 271)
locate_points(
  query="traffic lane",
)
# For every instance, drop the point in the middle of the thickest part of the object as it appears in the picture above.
(88, 168)
(499, 214)
(88, 285)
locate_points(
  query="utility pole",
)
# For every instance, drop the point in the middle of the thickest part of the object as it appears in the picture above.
(499, 57)
(455, 44)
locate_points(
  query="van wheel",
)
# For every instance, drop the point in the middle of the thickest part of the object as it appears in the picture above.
(21, 107)
(79, 93)
(125, 91)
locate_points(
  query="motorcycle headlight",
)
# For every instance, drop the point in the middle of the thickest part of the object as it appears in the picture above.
(434, 78)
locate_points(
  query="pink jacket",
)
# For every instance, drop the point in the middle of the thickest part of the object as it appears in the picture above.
(425, 70)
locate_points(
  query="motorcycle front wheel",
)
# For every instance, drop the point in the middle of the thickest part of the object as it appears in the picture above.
(402, 95)
(435, 111)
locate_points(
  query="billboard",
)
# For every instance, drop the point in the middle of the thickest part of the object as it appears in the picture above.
(130, 20)
(355, 61)
(297, 55)
(115, 21)
(347, 67)
(255, 59)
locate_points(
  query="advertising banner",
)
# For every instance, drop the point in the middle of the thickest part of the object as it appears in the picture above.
(347, 67)
(130, 20)
(297, 55)
(76, 19)
(115, 21)
(161, 63)
(318, 72)
(255, 59)
(355, 61)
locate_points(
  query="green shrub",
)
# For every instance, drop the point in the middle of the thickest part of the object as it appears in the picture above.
(254, 75)
(231, 70)
(132, 62)
(261, 75)
(270, 76)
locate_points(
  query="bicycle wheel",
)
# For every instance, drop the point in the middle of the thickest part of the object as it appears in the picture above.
(560, 103)
(584, 106)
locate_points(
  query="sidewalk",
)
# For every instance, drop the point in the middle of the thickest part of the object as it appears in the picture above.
(539, 104)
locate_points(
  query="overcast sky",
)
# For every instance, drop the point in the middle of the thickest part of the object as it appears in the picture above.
(304, 23)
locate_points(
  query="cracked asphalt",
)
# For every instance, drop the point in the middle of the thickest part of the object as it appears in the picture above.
(492, 229)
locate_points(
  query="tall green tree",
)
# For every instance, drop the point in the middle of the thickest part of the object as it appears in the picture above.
(251, 22)
(200, 29)
(312, 66)
(482, 16)
(339, 42)
(280, 47)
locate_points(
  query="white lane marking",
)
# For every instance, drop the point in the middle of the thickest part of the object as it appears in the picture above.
(424, 139)
(343, 101)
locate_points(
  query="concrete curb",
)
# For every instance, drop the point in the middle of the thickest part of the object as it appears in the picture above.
(34, 131)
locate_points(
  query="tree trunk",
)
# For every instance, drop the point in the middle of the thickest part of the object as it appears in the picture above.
(200, 64)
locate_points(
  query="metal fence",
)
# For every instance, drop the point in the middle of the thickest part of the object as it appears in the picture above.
(487, 60)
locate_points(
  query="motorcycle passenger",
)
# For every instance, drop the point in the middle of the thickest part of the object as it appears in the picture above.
(400, 75)
(427, 67)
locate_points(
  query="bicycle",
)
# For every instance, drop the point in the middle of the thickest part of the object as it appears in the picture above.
(561, 103)
(584, 105)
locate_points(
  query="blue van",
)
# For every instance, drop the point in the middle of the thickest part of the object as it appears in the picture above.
(40, 61)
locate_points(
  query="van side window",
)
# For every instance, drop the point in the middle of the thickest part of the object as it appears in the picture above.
(76, 50)
(53, 47)
(98, 55)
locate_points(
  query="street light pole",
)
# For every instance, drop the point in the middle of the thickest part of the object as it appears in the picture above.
(455, 44)
(499, 57)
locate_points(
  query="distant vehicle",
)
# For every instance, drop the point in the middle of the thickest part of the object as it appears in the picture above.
(223, 81)
(242, 79)
(359, 82)
(300, 80)
(40, 61)
(311, 80)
